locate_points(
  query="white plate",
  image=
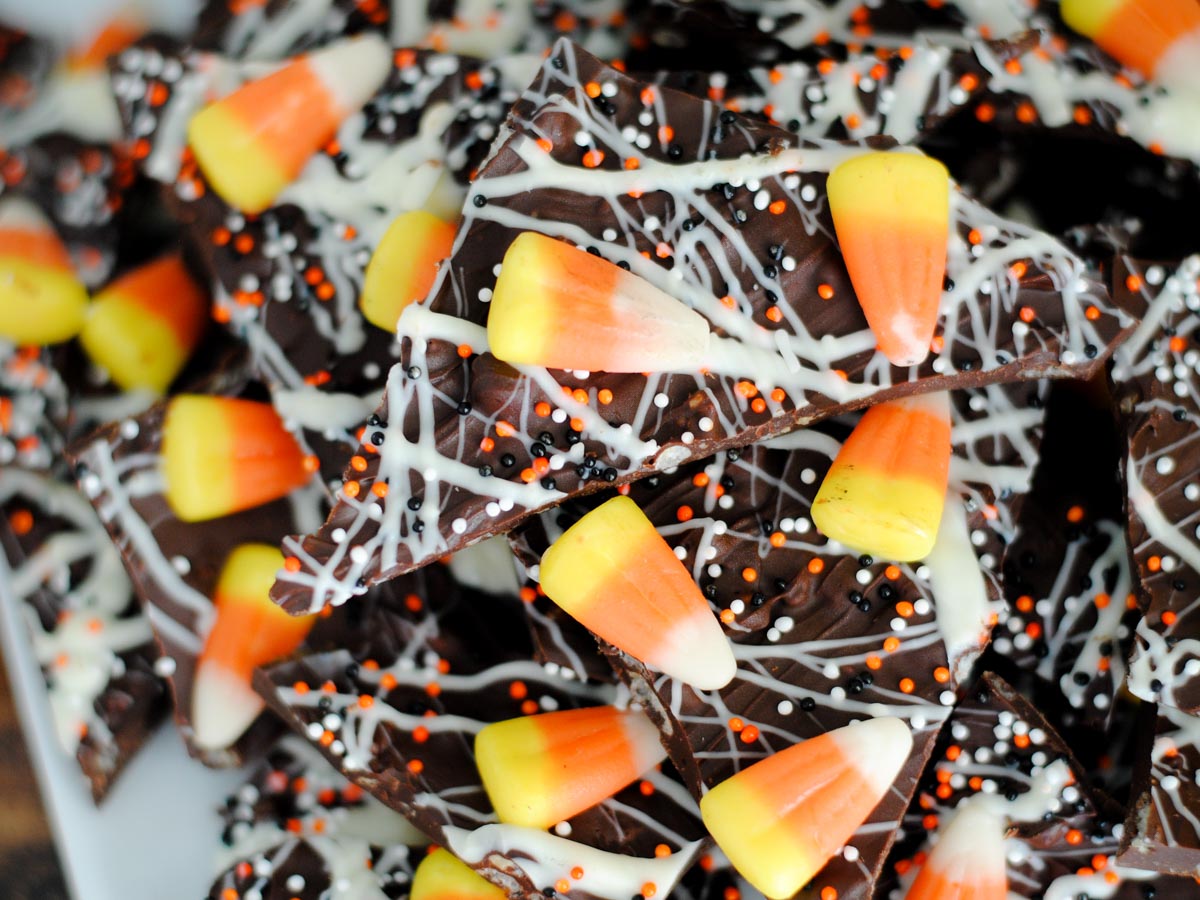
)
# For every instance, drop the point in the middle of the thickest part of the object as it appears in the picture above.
(156, 835)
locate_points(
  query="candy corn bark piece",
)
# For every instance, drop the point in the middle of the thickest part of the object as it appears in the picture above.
(967, 863)
(540, 770)
(249, 631)
(885, 491)
(614, 573)
(1159, 38)
(41, 300)
(892, 216)
(443, 876)
(221, 455)
(143, 327)
(780, 820)
(563, 308)
(403, 266)
(254, 142)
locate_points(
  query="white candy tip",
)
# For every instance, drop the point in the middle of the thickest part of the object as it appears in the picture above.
(699, 654)
(223, 707)
(18, 213)
(880, 745)
(353, 69)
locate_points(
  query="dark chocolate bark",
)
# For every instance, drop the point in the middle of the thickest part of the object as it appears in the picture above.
(1158, 392)
(275, 29)
(399, 720)
(33, 409)
(297, 826)
(85, 626)
(719, 206)
(1069, 603)
(997, 751)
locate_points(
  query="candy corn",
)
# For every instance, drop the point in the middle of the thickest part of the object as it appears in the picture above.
(540, 770)
(254, 142)
(614, 573)
(442, 876)
(1159, 38)
(114, 37)
(885, 491)
(892, 215)
(221, 455)
(41, 300)
(968, 861)
(143, 327)
(560, 307)
(403, 266)
(249, 631)
(783, 818)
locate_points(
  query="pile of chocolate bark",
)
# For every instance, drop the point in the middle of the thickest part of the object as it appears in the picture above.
(261, 470)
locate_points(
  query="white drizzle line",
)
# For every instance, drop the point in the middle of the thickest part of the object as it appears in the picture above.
(80, 653)
(545, 859)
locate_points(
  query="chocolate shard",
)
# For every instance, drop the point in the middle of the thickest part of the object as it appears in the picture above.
(34, 415)
(399, 720)
(822, 636)
(882, 91)
(275, 29)
(1161, 832)
(743, 218)
(288, 281)
(998, 754)
(1069, 603)
(1158, 394)
(175, 565)
(297, 825)
(86, 629)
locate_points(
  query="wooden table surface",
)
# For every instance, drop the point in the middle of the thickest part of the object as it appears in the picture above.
(28, 862)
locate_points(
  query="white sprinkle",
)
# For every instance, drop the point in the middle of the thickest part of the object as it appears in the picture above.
(562, 829)
(661, 400)
(863, 576)
(181, 564)
(784, 707)
(164, 667)
(1165, 465)
(706, 424)
(458, 526)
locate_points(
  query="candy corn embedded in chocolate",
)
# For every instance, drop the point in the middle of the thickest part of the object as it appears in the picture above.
(892, 215)
(221, 455)
(1159, 38)
(614, 573)
(563, 308)
(967, 863)
(249, 631)
(780, 820)
(403, 266)
(143, 327)
(443, 876)
(885, 491)
(539, 770)
(254, 142)
(41, 300)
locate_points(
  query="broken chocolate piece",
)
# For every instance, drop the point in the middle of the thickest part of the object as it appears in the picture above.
(86, 629)
(737, 227)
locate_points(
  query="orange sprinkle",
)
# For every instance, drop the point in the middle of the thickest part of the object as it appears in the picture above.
(941, 674)
(1075, 514)
(1134, 282)
(487, 445)
(593, 158)
(747, 389)
(825, 291)
(1169, 618)
(1102, 600)
(1082, 115)
(505, 429)
(647, 96)
(379, 489)
(542, 408)
(728, 302)
(777, 207)
(727, 616)
(777, 539)
(684, 513)
(1154, 563)
(749, 574)
(366, 701)
(21, 521)
(358, 463)
(351, 489)
(904, 609)
(631, 164)
(300, 688)
(1021, 740)
(1178, 344)
(829, 893)
(576, 424)
(816, 565)
(774, 314)
(649, 889)
(907, 685)
(985, 112)
(292, 564)
(464, 350)
(1027, 314)
(975, 236)
(388, 681)
(892, 572)
(759, 405)
(891, 644)
(1025, 603)
(778, 395)
(1074, 836)
(874, 662)
(605, 396)
(1034, 630)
